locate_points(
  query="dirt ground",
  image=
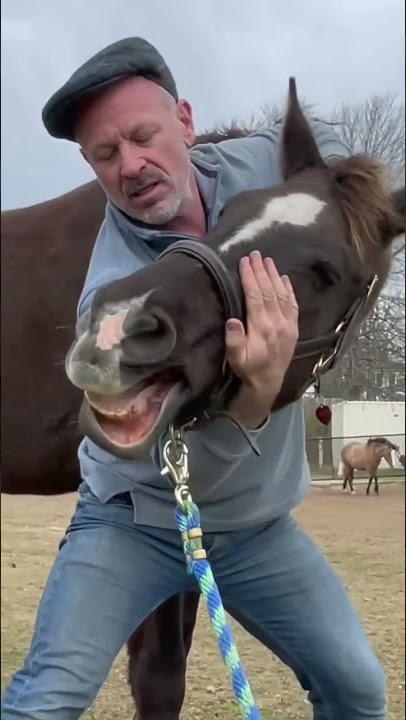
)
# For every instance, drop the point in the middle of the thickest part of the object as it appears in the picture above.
(363, 537)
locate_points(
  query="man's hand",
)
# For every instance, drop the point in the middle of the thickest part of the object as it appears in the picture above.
(261, 356)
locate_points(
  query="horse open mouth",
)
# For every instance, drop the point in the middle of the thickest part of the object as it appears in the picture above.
(128, 418)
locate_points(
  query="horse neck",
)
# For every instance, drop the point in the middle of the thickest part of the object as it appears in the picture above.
(379, 451)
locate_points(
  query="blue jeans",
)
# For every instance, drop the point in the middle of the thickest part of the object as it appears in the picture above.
(110, 574)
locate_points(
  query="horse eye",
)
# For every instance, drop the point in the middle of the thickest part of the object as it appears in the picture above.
(325, 275)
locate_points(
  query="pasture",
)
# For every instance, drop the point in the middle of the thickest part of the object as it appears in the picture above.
(363, 538)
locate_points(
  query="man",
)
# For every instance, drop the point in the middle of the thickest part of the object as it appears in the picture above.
(121, 555)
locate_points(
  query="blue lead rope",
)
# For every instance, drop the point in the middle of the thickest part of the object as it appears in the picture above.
(187, 517)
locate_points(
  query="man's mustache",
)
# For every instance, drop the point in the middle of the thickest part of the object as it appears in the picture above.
(138, 184)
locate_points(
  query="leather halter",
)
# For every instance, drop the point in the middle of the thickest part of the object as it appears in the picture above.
(326, 349)
(332, 346)
(212, 262)
(231, 300)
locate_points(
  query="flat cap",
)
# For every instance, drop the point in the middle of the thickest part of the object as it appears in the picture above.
(127, 57)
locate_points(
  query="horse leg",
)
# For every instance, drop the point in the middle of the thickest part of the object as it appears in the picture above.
(345, 475)
(158, 651)
(376, 486)
(370, 482)
(350, 481)
(190, 608)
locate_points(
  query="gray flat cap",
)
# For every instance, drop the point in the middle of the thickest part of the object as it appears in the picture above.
(131, 56)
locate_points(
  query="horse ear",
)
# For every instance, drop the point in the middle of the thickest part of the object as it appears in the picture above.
(396, 224)
(299, 149)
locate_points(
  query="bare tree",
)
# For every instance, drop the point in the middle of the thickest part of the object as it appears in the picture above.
(375, 126)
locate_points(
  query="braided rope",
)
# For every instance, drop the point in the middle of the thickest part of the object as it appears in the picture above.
(189, 524)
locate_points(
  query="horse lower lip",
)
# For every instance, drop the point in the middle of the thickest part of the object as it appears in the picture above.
(129, 429)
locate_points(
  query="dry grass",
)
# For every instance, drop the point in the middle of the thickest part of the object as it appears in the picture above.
(363, 537)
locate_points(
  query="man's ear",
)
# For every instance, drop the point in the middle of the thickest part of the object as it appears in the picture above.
(185, 116)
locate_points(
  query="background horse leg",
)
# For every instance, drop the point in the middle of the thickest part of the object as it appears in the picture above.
(158, 651)
(345, 475)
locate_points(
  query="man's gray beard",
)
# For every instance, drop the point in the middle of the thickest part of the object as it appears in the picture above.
(166, 210)
(161, 213)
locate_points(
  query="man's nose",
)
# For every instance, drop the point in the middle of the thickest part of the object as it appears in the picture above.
(132, 162)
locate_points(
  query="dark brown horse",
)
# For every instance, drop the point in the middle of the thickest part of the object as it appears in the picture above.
(366, 456)
(158, 651)
(45, 252)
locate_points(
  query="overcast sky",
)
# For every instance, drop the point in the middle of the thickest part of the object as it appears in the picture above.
(229, 57)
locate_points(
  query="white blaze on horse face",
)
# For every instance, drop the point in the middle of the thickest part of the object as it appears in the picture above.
(298, 209)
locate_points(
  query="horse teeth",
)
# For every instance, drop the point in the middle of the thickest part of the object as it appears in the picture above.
(116, 413)
(111, 413)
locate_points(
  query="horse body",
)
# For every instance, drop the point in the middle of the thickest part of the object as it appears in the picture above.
(366, 456)
(45, 253)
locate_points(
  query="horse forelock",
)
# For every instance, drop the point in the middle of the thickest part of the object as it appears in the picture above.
(361, 190)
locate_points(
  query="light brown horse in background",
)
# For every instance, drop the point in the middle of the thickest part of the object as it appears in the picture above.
(366, 456)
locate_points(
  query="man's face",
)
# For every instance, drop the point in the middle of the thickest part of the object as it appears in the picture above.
(136, 138)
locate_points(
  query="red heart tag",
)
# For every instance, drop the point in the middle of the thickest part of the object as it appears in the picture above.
(323, 414)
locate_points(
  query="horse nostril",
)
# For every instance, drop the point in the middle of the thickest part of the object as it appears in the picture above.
(146, 325)
(150, 337)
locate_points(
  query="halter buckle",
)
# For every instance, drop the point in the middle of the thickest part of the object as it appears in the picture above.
(175, 455)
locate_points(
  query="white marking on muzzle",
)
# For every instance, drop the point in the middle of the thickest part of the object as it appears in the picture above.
(111, 331)
(298, 209)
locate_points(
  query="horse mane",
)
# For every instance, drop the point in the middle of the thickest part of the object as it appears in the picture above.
(221, 133)
(381, 441)
(360, 185)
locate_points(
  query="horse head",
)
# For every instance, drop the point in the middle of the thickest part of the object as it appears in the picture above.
(151, 349)
(382, 448)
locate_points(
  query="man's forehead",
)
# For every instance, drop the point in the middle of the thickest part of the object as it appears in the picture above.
(135, 97)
